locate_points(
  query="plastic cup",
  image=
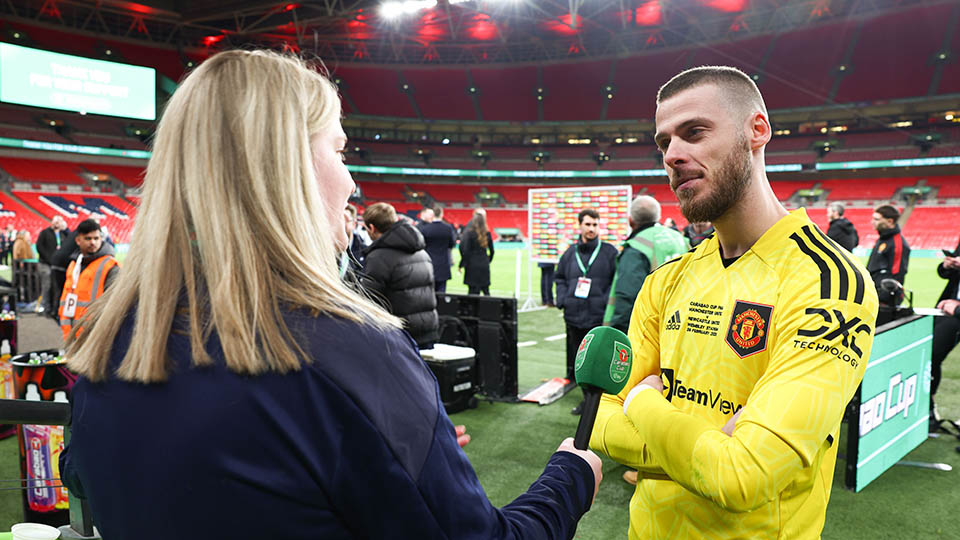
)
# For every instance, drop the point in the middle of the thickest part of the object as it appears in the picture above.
(34, 531)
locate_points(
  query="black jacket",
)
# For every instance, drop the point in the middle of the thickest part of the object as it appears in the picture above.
(398, 272)
(439, 238)
(47, 243)
(889, 258)
(952, 275)
(59, 263)
(474, 259)
(844, 233)
(585, 312)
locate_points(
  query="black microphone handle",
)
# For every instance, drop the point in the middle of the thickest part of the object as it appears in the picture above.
(591, 403)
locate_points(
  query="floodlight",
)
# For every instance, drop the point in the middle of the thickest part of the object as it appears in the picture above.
(395, 9)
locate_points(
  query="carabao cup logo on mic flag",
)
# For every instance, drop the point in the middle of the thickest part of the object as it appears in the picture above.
(582, 351)
(603, 359)
(620, 363)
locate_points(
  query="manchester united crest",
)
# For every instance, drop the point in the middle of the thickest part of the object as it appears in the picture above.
(749, 327)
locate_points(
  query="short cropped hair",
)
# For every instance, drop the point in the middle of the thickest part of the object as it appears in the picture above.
(587, 212)
(837, 207)
(87, 226)
(888, 212)
(644, 209)
(740, 88)
(381, 215)
(353, 211)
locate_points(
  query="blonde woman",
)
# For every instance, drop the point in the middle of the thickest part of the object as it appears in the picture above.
(232, 386)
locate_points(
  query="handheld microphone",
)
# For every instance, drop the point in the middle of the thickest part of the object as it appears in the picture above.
(602, 365)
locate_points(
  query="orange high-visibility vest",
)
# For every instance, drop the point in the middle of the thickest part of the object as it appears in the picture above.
(89, 287)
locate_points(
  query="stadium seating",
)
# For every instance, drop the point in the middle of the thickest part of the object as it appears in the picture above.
(880, 189)
(506, 93)
(933, 227)
(637, 80)
(382, 191)
(37, 170)
(130, 176)
(375, 91)
(574, 91)
(111, 211)
(947, 186)
(452, 84)
(13, 213)
(785, 189)
(882, 68)
(802, 80)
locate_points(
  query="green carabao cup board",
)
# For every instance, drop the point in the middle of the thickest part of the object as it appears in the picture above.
(894, 400)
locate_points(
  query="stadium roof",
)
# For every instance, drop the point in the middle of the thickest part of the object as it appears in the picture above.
(444, 31)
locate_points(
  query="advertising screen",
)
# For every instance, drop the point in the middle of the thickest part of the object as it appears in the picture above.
(72, 83)
(553, 217)
(894, 400)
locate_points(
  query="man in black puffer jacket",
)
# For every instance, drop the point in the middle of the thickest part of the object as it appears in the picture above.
(841, 230)
(398, 272)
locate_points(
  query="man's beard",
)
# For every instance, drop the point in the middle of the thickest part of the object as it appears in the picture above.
(726, 189)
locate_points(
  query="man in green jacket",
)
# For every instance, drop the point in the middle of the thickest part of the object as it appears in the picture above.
(648, 246)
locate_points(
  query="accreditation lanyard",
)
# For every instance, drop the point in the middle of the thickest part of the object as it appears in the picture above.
(593, 257)
(76, 271)
(344, 263)
(70, 301)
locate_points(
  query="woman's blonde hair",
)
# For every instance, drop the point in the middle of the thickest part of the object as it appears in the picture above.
(232, 230)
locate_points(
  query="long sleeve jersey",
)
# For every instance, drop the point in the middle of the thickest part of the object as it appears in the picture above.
(784, 333)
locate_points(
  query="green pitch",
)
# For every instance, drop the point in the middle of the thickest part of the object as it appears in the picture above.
(511, 442)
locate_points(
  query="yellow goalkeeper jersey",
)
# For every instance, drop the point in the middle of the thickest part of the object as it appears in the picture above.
(784, 332)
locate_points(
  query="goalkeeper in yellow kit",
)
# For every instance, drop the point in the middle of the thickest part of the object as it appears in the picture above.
(747, 349)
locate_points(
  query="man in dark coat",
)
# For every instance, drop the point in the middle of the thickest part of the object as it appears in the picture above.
(398, 272)
(439, 238)
(584, 275)
(48, 242)
(841, 230)
(890, 256)
(946, 330)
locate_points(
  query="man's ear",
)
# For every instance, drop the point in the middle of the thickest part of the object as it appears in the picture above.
(758, 130)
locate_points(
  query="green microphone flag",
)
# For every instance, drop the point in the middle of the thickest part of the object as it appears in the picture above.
(602, 365)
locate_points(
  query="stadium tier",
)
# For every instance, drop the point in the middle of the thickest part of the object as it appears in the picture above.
(110, 210)
(880, 189)
(452, 84)
(13, 213)
(41, 170)
(498, 99)
(879, 68)
(948, 187)
(934, 227)
(881, 61)
(130, 176)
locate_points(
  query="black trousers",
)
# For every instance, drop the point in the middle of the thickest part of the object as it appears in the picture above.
(574, 337)
(946, 334)
(440, 286)
(478, 290)
(546, 284)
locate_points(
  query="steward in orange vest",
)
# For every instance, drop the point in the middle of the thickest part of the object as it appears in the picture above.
(87, 282)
